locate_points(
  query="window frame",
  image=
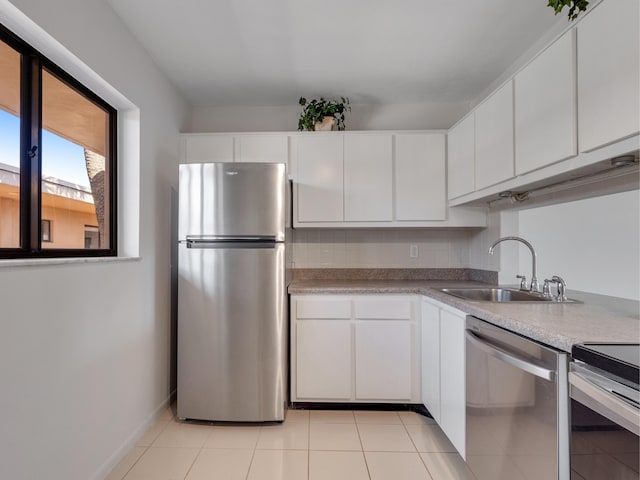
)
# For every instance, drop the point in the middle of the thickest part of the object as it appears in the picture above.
(32, 65)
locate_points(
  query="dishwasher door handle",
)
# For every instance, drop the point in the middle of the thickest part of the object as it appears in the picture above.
(509, 358)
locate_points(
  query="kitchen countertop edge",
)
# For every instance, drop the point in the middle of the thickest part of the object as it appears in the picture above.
(599, 318)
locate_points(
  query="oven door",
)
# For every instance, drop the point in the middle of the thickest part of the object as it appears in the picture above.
(605, 426)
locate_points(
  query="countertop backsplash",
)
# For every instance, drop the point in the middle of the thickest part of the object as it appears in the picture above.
(382, 248)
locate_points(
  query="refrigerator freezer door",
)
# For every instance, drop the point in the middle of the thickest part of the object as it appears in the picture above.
(232, 327)
(232, 199)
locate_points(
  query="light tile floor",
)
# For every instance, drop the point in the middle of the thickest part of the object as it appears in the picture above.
(309, 445)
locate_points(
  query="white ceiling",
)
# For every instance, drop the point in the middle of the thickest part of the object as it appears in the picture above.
(271, 52)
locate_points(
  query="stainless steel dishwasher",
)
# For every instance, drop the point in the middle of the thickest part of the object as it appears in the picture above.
(517, 425)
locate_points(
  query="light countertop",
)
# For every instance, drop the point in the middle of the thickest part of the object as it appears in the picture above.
(599, 318)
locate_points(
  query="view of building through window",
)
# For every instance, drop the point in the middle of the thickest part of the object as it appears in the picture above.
(74, 144)
(9, 147)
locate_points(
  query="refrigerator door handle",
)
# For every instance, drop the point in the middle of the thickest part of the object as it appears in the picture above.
(229, 238)
(230, 244)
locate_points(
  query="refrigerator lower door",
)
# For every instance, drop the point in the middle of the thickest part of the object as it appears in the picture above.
(232, 334)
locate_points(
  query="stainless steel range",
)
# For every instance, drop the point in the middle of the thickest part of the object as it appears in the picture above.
(605, 411)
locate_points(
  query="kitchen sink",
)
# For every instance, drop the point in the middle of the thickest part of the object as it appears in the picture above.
(499, 295)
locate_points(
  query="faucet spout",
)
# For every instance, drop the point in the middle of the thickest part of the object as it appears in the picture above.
(535, 286)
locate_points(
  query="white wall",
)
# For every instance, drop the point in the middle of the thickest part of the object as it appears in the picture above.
(593, 244)
(361, 117)
(84, 348)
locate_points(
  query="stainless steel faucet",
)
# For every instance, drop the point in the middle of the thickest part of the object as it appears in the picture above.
(535, 286)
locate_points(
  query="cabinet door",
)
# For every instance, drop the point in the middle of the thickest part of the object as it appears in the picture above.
(262, 148)
(461, 157)
(368, 170)
(494, 138)
(452, 379)
(420, 177)
(608, 74)
(323, 359)
(383, 360)
(430, 333)
(545, 107)
(320, 178)
(207, 148)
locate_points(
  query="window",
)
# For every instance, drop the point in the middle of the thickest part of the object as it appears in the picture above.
(91, 236)
(45, 231)
(57, 160)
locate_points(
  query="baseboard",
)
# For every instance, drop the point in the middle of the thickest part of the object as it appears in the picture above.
(131, 440)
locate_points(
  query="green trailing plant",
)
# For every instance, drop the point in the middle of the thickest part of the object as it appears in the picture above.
(575, 7)
(315, 110)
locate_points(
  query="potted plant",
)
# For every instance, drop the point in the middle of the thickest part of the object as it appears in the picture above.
(322, 114)
(575, 7)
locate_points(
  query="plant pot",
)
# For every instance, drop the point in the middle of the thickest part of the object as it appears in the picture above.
(325, 125)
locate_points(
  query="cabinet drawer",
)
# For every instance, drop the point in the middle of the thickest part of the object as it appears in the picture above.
(383, 308)
(323, 308)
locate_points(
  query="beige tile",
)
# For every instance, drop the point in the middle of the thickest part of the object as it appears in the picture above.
(493, 467)
(534, 467)
(413, 418)
(396, 465)
(152, 433)
(279, 465)
(429, 438)
(126, 463)
(297, 416)
(288, 436)
(447, 466)
(367, 416)
(159, 463)
(221, 464)
(332, 416)
(337, 466)
(183, 435)
(237, 436)
(328, 436)
(385, 438)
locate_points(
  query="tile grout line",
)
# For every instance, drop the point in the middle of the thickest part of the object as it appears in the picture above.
(253, 454)
(366, 464)
(198, 454)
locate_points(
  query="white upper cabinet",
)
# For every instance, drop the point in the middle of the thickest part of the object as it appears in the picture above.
(368, 170)
(461, 157)
(494, 138)
(206, 148)
(319, 196)
(222, 147)
(545, 107)
(420, 177)
(608, 74)
(262, 148)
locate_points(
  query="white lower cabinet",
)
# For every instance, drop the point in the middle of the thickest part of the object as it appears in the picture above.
(443, 369)
(430, 332)
(383, 360)
(324, 370)
(355, 348)
(452, 378)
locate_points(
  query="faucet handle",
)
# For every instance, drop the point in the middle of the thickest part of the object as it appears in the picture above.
(546, 291)
(562, 297)
(523, 282)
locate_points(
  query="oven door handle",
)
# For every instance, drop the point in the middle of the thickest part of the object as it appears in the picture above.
(585, 388)
(509, 358)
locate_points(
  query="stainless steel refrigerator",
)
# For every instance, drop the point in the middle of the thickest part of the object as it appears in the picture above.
(232, 299)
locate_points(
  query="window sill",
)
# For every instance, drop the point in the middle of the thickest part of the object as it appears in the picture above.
(37, 262)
